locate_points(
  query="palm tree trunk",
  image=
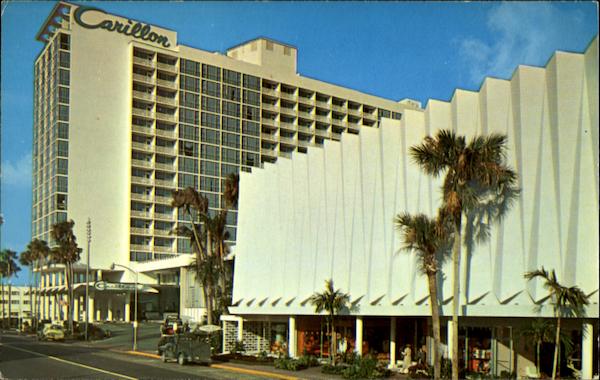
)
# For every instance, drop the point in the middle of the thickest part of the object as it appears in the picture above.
(9, 304)
(209, 284)
(2, 298)
(455, 295)
(556, 348)
(537, 362)
(435, 318)
(334, 341)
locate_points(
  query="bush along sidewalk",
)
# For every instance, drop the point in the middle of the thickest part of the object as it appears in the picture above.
(301, 363)
(357, 367)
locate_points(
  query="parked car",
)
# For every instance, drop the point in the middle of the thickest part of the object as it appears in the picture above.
(163, 341)
(42, 324)
(186, 348)
(53, 332)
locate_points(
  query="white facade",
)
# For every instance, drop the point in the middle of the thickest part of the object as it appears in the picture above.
(331, 211)
(20, 302)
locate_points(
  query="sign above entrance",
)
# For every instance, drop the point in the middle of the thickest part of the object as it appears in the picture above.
(136, 30)
(103, 285)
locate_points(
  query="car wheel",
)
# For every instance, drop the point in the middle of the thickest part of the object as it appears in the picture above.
(181, 359)
(163, 357)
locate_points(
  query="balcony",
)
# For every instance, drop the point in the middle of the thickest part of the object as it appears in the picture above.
(353, 127)
(162, 232)
(305, 115)
(167, 67)
(166, 116)
(141, 197)
(143, 62)
(288, 141)
(336, 136)
(285, 154)
(142, 180)
(143, 78)
(164, 166)
(143, 113)
(143, 147)
(305, 100)
(288, 126)
(169, 150)
(164, 133)
(141, 214)
(143, 95)
(287, 111)
(268, 152)
(269, 122)
(161, 216)
(167, 101)
(165, 183)
(163, 249)
(321, 132)
(355, 112)
(305, 130)
(303, 143)
(323, 119)
(271, 92)
(339, 108)
(142, 130)
(167, 84)
(140, 231)
(339, 122)
(163, 200)
(141, 247)
(322, 104)
(269, 137)
(142, 164)
(270, 107)
(288, 96)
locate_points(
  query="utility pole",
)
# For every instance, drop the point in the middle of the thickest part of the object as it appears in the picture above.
(87, 277)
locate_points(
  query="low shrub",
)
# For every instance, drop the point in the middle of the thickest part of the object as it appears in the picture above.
(329, 369)
(365, 368)
(290, 364)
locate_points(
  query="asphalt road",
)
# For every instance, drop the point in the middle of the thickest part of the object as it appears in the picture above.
(23, 357)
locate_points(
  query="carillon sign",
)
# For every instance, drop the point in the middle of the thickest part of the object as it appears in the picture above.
(136, 30)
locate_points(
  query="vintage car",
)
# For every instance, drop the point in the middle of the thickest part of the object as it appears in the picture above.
(186, 348)
(53, 332)
(168, 326)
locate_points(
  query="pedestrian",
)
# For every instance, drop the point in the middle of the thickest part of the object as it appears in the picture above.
(407, 358)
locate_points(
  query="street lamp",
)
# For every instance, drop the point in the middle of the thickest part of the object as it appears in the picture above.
(135, 313)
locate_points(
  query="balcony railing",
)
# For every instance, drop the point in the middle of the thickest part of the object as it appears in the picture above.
(286, 95)
(163, 200)
(141, 197)
(162, 232)
(141, 231)
(336, 136)
(287, 111)
(270, 107)
(143, 113)
(166, 150)
(288, 126)
(269, 91)
(285, 154)
(338, 108)
(164, 133)
(324, 119)
(305, 115)
(165, 183)
(166, 116)
(143, 78)
(305, 100)
(142, 130)
(143, 95)
(141, 214)
(140, 247)
(269, 137)
(355, 112)
(322, 104)
(163, 166)
(270, 122)
(167, 67)
(306, 130)
(163, 249)
(141, 163)
(142, 146)
(338, 122)
(268, 152)
(287, 140)
(165, 100)
(143, 61)
(322, 132)
(161, 216)
(166, 83)
(142, 180)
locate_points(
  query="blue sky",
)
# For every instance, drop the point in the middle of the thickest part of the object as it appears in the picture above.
(390, 49)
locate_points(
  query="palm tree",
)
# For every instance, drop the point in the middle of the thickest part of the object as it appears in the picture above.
(67, 253)
(540, 331)
(39, 252)
(8, 268)
(331, 301)
(26, 259)
(476, 178)
(231, 191)
(566, 301)
(429, 240)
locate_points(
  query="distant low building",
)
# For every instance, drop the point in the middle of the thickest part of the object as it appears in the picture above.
(20, 302)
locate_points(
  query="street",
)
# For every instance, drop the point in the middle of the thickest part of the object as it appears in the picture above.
(24, 357)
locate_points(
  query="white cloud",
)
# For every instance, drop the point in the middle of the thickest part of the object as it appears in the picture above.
(519, 33)
(17, 173)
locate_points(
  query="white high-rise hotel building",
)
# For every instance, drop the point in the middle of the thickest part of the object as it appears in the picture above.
(124, 115)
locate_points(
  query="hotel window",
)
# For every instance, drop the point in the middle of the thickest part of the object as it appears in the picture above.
(62, 166)
(63, 148)
(210, 120)
(184, 246)
(188, 132)
(211, 72)
(187, 148)
(213, 200)
(188, 116)
(396, 115)
(187, 99)
(189, 165)
(251, 113)
(231, 77)
(63, 59)
(229, 169)
(250, 159)
(383, 113)
(190, 67)
(250, 143)
(63, 130)
(231, 93)
(209, 168)
(210, 104)
(209, 184)
(64, 41)
(61, 184)
(250, 128)
(231, 124)
(230, 140)
(209, 136)
(231, 109)
(189, 83)
(210, 152)
(63, 95)
(63, 77)
(187, 180)
(211, 88)
(252, 97)
(252, 82)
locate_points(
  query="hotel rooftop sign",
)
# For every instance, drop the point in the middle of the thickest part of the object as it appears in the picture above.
(136, 30)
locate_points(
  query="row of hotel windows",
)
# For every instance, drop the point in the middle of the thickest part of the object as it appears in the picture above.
(224, 107)
(189, 99)
(214, 73)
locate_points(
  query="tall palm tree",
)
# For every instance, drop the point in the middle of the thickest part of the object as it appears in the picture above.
(539, 331)
(476, 178)
(566, 301)
(231, 190)
(26, 259)
(67, 253)
(429, 240)
(219, 235)
(9, 268)
(330, 301)
(39, 251)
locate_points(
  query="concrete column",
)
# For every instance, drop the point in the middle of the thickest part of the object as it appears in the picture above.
(65, 306)
(76, 309)
(91, 312)
(240, 330)
(450, 340)
(127, 308)
(109, 309)
(46, 307)
(393, 342)
(292, 337)
(359, 335)
(587, 351)
(98, 314)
